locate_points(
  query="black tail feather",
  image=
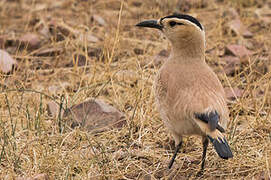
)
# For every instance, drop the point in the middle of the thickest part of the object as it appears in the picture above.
(222, 148)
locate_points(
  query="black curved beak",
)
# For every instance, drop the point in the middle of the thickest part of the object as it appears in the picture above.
(150, 24)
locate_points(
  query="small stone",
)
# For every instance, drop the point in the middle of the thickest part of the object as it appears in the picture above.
(49, 51)
(7, 63)
(99, 19)
(36, 177)
(239, 29)
(30, 40)
(88, 38)
(53, 109)
(95, 116)
(237, 50)
(233, 93)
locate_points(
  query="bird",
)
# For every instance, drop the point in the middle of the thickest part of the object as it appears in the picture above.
(189, 96)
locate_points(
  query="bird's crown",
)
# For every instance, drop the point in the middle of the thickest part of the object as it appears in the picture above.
(171, 21)
(176, 19)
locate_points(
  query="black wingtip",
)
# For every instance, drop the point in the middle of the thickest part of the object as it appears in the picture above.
(212, 118)
(222, 148)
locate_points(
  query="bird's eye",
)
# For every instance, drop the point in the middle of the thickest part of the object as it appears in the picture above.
(172, 23)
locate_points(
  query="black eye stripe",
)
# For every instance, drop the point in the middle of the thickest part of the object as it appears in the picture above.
(186, 17)
(180, 23)
(173, 23)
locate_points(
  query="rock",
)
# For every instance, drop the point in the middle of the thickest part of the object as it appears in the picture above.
(7, 63)
(239, 51)
(233, 93)
(264, 14)
(53, 109)
(36, 177)
(60, 30)
(239, 29)
(88, 37)
(41, 177)
(232, 64)
(99, 19)
(45, 31)
(164, 53)
(30, 40)
(49, 51)
(95, 116)
(247, 34)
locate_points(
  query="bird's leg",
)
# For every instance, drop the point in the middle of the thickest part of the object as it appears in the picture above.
(205, 143)
(178, 147)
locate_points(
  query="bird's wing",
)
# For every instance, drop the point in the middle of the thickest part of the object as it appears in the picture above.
(212, 119)
(209, 123)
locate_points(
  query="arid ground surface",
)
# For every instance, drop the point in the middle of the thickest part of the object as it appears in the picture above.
(72, 50)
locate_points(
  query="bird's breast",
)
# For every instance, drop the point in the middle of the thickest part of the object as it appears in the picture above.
(181, 91)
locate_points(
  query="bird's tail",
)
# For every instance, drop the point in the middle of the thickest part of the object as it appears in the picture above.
(220, 144)
(208, 123)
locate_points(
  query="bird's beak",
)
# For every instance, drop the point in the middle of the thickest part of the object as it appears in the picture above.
(150, 24)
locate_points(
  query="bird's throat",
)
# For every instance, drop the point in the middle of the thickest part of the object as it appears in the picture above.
(194, 49)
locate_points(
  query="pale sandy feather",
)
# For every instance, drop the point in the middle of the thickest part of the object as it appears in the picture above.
(183, 88)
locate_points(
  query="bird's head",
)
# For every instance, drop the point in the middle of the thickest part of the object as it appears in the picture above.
(178, 28)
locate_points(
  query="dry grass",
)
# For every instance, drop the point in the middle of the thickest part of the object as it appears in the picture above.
(32, 142)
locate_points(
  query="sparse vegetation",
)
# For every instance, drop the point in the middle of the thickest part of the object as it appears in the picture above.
(90, 48)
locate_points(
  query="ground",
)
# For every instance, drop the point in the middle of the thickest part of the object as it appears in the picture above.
(71, 50)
